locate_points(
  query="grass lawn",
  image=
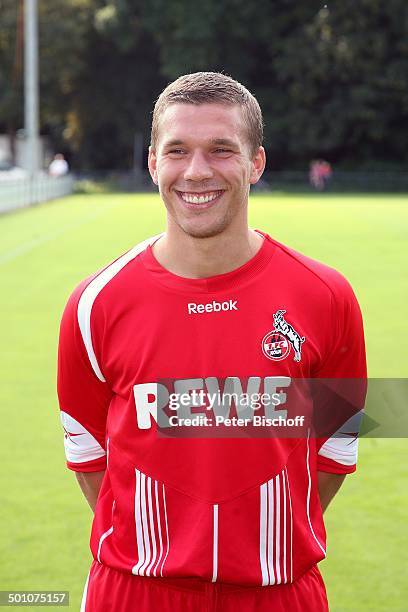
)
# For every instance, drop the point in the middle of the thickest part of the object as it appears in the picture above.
(45, 251)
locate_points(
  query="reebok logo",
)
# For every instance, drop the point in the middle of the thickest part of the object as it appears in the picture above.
(213, 306)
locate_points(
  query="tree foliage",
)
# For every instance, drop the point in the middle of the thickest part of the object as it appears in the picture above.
(11, 64)
(331, 81)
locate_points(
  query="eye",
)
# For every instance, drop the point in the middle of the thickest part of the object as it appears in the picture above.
(223, 151)
(176, 152)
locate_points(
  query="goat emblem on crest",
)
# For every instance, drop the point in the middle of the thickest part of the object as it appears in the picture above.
(276, 344)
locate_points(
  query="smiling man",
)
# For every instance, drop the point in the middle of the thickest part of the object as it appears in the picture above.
(211, 309)
(204, 156)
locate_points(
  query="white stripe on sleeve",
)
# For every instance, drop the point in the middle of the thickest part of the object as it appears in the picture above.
(92, 291)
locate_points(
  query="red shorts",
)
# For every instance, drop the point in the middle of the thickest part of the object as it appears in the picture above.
(108, 590)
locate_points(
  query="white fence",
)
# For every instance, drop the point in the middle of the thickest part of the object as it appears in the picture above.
(28, 191)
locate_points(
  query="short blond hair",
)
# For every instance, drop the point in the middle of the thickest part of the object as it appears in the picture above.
(207, 88)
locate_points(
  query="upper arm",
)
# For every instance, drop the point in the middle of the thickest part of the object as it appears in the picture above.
(328, 485)
(344, 374)
(90, 484)
(83, 398)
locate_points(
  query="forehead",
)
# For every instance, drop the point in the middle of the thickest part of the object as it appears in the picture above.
(201, 122)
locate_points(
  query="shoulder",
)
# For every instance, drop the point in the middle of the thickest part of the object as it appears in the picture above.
(88, 290)
(311, 273)
(93, 299)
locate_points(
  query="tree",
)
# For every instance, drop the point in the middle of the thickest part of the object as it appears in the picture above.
(345, 74)
(115, 89)
(331, 81)
(62, 40)
(11, 66)
(64, 27)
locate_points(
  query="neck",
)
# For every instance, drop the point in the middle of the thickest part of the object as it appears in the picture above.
(191, 257)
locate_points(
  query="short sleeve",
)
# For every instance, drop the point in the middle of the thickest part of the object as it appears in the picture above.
(83, 398)
(345, 362)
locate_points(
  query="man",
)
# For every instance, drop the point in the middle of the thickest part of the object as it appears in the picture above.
(193, 520)
(320, 173)
(59, 166)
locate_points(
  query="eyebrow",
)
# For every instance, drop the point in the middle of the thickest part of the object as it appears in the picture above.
(214, 141)
(173, 143)
(223, 141)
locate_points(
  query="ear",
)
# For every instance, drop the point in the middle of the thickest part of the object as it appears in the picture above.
(257, 166)
(152, 164)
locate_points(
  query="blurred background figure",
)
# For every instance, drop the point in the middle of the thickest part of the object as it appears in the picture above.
(59, 166)
(319, 174)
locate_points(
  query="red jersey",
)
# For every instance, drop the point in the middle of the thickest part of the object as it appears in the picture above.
(135, 337)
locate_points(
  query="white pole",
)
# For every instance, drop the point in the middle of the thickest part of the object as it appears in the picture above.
(31, 120)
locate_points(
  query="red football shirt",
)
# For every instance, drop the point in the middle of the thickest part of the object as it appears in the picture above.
(230, 508)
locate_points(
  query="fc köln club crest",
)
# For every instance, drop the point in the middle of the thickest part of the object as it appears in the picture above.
(277, 343)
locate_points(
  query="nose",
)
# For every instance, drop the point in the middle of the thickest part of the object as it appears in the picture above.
(197, 168)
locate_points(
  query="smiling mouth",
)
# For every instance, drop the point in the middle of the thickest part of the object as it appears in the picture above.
(199, 198)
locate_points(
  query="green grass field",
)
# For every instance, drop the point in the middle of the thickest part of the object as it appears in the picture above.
(45, 251)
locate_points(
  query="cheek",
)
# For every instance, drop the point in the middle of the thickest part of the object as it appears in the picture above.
(238, 171)
(167, 173)
(164, 178)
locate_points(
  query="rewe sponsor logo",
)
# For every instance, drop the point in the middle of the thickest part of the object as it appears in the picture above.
(187, 397)
(213, 306)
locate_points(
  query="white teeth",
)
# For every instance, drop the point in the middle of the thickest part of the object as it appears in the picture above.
(194, 199)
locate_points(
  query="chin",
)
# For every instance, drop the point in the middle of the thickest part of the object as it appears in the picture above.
(204, 232)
